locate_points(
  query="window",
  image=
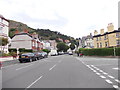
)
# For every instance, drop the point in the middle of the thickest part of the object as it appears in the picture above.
(117, 35)
(106, 44)
(105, 37)
(97, 39)
(118, 42)
(97, 45)
(100, 44)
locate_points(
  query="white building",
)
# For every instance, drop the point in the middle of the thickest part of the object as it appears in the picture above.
(27, 41)
(46, 44)
(49, 44)
(4, 31)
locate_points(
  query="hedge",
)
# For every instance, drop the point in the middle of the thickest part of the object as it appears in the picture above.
(100, 51)
(20, 50)
(25, 50)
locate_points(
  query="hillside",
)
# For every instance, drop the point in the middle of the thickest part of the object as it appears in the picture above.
(45, 34)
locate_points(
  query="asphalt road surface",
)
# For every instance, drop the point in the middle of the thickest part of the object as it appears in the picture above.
(63, 71)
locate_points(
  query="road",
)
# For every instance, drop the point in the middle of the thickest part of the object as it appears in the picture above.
(63, 71)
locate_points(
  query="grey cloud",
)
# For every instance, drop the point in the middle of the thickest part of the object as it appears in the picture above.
(59, 22)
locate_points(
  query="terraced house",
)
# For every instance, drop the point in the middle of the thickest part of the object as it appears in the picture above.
(111, 38)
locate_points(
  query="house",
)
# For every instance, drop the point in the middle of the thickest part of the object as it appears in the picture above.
(89, 41)
(4, 30)
(111, 38)
(46, 44)
(27, 41)
(86, 41)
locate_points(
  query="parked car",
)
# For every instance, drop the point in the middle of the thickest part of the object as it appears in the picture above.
(60, 53)
(27, 57)
(38, 55)
(53, 53)
(44, 54)
(70, 53)
(81, 54)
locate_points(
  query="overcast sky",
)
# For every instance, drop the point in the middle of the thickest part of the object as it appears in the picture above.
(75, 18)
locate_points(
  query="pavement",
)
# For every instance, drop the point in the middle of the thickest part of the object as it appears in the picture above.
(63, 71)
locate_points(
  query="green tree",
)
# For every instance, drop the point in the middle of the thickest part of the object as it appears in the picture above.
(3, 43)
(72, 46)
(46, 50)
(62, 47)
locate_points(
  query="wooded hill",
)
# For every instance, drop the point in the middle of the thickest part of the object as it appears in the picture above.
(44, 34)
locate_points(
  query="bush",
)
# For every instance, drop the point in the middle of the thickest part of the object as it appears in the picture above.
(46, 50)
(5, 54)
(12, 50)
(100, 51)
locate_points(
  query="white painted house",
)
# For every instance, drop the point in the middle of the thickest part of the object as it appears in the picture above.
(4, 31)
(27, 41)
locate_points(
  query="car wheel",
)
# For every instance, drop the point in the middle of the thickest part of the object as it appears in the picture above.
(30, 59)
(20, 61)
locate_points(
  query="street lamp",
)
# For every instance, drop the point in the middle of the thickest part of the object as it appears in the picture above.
(114, 51)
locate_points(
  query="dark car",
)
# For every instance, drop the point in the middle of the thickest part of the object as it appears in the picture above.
(27, 57)
(38, 55)
(44, 54)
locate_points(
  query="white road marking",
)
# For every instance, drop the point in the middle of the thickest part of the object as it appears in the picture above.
(98, 73)
(24, 67)
(117, 80)
(97, 69)
(105, 73)
(103, 65)
(52, 67)
(116, 68)
(115, 86)
(108, 81)
(34, 82)
(94, 71)
(102, 76)
(101, 70)
(111, 76)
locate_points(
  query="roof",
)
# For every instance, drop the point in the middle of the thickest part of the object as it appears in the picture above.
(115, 31)
(22, 34)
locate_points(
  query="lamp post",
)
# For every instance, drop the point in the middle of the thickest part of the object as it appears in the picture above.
(17, 52)
(114, 51)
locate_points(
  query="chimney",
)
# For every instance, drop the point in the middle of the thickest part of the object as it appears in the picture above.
(95, 32)
(102, 31)
(110, 27)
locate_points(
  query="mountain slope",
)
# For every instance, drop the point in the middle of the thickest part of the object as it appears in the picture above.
(45, 34)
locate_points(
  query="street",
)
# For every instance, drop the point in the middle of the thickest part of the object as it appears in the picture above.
(63, 71)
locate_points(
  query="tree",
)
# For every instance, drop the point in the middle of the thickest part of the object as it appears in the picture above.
(46, 50)
(72, 46)
(3, 43)
(62, 47)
